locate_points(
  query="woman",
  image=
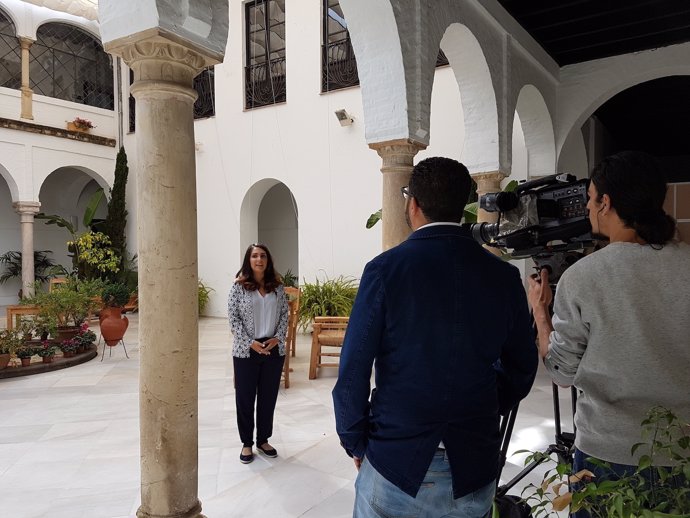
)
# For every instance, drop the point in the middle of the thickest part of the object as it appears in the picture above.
(258, 313)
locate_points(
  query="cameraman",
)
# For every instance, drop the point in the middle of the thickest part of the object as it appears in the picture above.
(620, 331)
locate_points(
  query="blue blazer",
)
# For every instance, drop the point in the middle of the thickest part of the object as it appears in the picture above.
(448, 326)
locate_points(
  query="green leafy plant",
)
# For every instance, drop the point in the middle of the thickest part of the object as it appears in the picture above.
(25, 351)
(332, 297)
(95, 256)
(85, 337)
(10, 341)
(652, 491)
(47, 349)
(289, 279)
(12, 261)
(204, 295)
(115, 295)
(65, 305)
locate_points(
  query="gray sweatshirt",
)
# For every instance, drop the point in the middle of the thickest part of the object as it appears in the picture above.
(622, 337)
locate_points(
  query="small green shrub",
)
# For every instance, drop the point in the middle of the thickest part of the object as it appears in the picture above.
(652, 491)
(289, 279)
(330, 298)
(115, 295)
(204, 295)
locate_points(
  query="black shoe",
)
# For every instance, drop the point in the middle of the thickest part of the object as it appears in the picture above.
(246, 459)
(272, 453)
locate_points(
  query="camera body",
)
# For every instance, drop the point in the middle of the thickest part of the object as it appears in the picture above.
(536, 215)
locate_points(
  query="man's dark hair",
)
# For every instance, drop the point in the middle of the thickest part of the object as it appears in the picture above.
(441, 187)
(636, 184)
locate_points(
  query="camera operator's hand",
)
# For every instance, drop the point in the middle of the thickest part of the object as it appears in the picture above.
(540, 296)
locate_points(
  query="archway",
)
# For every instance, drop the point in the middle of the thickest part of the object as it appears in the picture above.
(269, 215)
(466, 58)
(10, 234)
(536, 126)
(65, 192)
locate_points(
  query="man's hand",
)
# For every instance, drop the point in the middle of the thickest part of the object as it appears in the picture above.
(540, 296)
(358, 462)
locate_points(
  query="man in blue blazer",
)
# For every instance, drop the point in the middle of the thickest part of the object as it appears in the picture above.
(448, 326)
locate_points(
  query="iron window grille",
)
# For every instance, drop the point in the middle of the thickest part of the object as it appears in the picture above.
(265, 72)
(68, 63)
(204, 106)
(338, 62)
(10, 54)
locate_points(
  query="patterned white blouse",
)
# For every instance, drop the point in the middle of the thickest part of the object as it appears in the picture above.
(241, 317)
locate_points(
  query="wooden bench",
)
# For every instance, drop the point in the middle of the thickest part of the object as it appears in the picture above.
(14, 312)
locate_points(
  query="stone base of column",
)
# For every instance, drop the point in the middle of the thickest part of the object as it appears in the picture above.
(27, 100)
(194, 512)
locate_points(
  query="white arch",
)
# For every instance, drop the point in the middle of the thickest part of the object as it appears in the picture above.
(537, 127)
(99, 177)
(249, 210)
(586, 87)
(90, 29)
(11, 183)
(466, 58)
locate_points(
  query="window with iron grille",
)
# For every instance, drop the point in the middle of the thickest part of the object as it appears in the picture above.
(265, 64)
(205, 105)
(338, 63)
(68, 63)
(10, 54)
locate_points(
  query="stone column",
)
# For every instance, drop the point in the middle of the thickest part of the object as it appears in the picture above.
(27, 92)
(27, 210)
(167, 244)
(397, 156)
(488, 182)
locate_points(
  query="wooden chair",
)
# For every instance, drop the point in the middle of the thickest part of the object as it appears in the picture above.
(14, 313)
(293, 313)
(55, 282)
(328, 332)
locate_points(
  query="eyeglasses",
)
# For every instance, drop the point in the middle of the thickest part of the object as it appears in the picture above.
(405, 191)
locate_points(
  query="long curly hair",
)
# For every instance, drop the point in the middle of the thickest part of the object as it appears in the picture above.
(245, 275)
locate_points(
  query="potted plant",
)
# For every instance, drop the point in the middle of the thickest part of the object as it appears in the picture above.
(12, 261)
(330, 298)
(113, 323)
(204, 295)
(10, 341)
(80, 124)
(652, 491)
(24, 353)
(47, 351)
(66, 307)
(85, 339)
(68, 347)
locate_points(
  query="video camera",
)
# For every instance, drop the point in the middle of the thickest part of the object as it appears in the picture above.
(536, 214)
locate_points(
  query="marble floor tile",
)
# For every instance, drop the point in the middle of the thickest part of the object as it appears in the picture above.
(74, 433)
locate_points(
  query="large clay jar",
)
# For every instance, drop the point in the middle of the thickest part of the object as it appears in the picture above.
(113, 325)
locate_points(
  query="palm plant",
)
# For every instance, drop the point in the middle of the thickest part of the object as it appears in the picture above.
(12, 261)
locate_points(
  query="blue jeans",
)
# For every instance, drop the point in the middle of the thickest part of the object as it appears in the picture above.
(376, 497)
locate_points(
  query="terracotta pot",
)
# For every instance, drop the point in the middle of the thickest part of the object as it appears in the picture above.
(4, 360)
(71, 126)
(25, 362)
(48, 359)
(113, 325)
(81, 349)
(67, 354)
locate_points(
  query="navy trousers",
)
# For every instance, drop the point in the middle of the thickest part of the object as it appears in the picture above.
(257, 379)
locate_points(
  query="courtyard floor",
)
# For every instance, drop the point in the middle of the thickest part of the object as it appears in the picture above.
(69, 440)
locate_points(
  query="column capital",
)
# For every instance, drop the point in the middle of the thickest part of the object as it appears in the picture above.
(489, 177)
(397, 153)
(27, 207)
(155, 57)
(25, 42)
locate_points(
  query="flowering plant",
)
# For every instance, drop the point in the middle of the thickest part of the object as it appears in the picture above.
(46, 349)
(85, 337)
(82, 123)
(69, 346)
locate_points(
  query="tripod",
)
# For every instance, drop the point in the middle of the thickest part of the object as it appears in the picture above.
(562, 447)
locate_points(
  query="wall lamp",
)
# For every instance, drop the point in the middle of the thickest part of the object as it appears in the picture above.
(344, 118)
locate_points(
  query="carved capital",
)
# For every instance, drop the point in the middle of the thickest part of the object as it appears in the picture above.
(25, 43)
(397, 155)
(489, 181)
(27, 207)
(159, 59)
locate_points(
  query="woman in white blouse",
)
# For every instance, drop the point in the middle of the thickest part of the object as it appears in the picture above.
(258, 313)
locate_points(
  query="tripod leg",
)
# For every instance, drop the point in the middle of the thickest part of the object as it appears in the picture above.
(123, 346)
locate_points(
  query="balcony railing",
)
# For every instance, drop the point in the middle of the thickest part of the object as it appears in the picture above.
(338, 66)
(262, 88)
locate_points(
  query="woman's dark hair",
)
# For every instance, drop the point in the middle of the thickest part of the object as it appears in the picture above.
(636, 185)
(246, 276)
(441, 187)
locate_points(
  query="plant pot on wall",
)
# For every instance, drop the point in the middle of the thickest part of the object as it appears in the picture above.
(113, 325)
